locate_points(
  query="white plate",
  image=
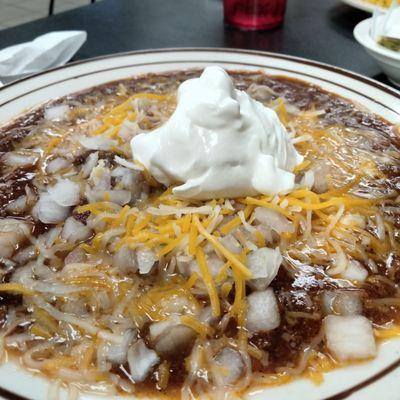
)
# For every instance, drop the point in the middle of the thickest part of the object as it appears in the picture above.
(367, 381)
(363, 5)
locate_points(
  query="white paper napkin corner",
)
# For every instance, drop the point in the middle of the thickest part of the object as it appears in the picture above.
(46, 51)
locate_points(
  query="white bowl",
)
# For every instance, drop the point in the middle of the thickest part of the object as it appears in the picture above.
(376, 379)
(389, 60)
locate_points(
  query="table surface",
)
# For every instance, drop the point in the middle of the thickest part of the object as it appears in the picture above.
(321, 30)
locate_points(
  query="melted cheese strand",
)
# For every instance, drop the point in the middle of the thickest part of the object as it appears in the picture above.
(210, 285)
(226, 253)
(16, 288)
(199, 327)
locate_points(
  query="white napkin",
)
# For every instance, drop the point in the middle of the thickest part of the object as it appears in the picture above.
(386, 24)
(46, 51)
(393, 24)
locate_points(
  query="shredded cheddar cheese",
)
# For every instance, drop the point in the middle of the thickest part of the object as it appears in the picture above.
(208, 280)
(16, 288)
(226, 253)
(201, 328)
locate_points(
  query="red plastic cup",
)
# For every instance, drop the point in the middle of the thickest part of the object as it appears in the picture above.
(254, 14)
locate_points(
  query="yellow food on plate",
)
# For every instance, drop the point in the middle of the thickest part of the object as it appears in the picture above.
(380, 3)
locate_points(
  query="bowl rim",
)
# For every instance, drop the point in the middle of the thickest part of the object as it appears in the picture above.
(361, 34)
(319, 64)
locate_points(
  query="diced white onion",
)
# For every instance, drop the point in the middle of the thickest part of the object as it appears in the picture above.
(57, 164)
(380, 227)
(354, 219)
(141, 360)
(12, 232)
(273, 220)
(118, 353)
(230, 242)
(349, 337)
(120, 197)
(97, 142)
(354, 272)
(261, 92)
(15, 159)
(26, 254)
(75, 256)
(264, 264)
(308, 179)
(232, 364)
(262, 313)
(339, 260)
(17, 206)
(48, 211)
(321, 171)
(65, 192)
(74, 231)
(158, 328)
(128, 164)
(214, 265)
(174, 340)
(129, 129)
(125, 260)
(341, 302)
(145, 260)
(56, 113)
(90, 163)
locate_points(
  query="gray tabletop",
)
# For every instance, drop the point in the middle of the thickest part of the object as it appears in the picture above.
(317, 29)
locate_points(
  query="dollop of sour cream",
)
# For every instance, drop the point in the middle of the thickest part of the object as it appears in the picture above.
(219, 142)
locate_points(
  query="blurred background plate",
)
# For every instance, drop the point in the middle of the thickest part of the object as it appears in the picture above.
(362, 5)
